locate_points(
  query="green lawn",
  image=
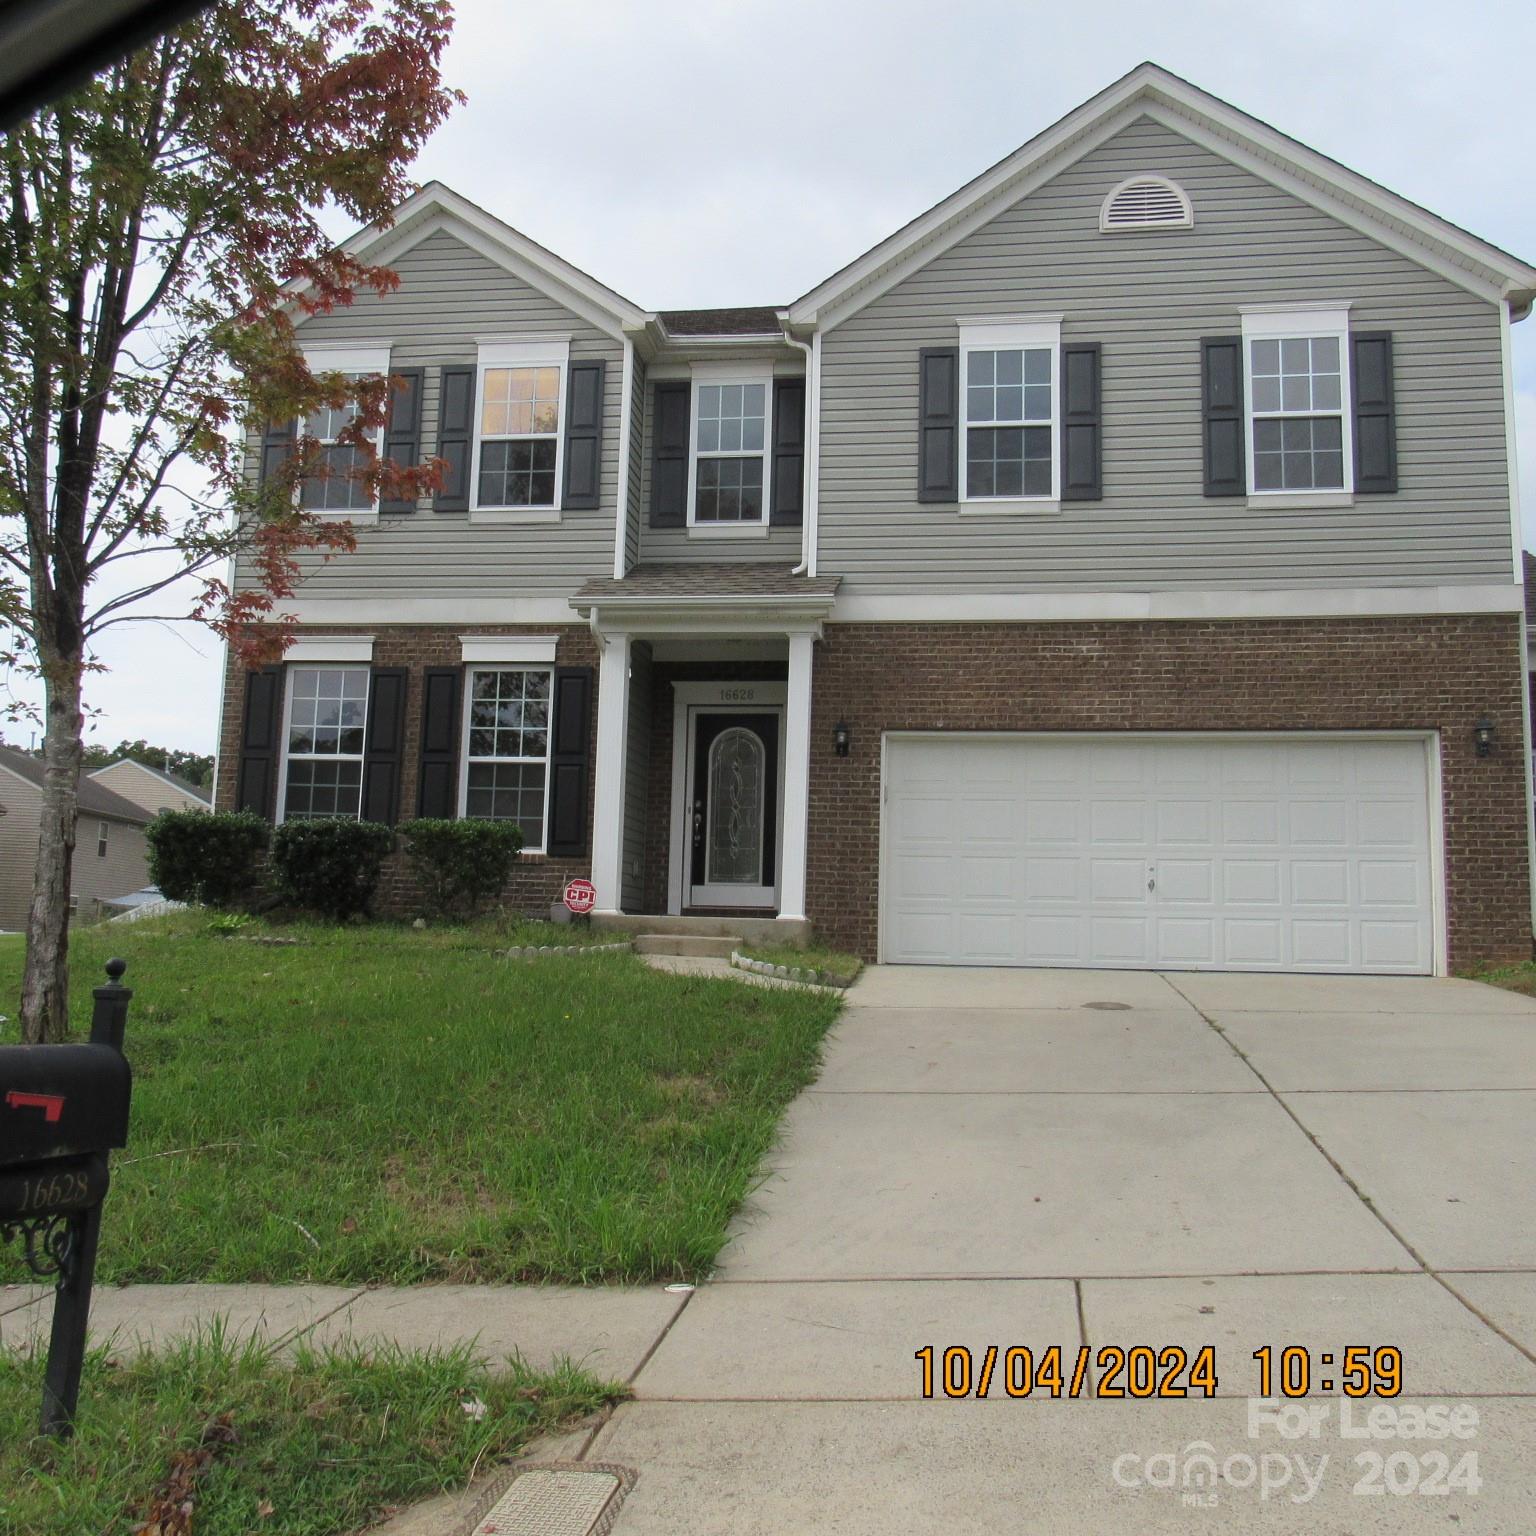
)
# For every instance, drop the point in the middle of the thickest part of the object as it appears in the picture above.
(320, 1446)
(376, 1103)
(1513, 978)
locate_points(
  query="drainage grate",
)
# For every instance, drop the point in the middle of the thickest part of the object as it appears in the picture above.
(556, 1499)
(1109, 1007)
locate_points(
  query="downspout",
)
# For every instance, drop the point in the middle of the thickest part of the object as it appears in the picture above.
(811, 482)
(626, 453)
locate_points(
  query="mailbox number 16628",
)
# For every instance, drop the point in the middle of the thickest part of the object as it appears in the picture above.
(61, 1190)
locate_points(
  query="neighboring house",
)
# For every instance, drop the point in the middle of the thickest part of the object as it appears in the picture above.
(1110, 568)
(150, 788)
(111, 858)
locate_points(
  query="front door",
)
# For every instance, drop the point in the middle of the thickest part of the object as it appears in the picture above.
(733, 802)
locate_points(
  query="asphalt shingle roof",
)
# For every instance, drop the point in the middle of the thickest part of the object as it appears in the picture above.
(95, 799)
(751, 320)
(714, 578)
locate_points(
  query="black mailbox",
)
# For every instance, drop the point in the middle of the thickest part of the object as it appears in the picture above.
(62, 1109)
(61, 1101)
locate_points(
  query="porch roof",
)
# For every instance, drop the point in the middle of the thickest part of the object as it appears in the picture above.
(724, 589)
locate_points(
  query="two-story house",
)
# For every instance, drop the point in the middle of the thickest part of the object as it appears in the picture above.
(1117, 566)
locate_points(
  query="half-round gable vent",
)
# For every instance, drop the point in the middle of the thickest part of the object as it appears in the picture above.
(1146, 202)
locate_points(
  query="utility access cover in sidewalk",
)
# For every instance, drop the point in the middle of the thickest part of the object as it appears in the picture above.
(565, 1500)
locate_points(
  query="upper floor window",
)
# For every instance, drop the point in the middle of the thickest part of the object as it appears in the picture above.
(101, 839)
(1008, 411)
(337, 488)
(517, 428)
(1297, 386)
(506, 757)
(729, 469)
(323, 742)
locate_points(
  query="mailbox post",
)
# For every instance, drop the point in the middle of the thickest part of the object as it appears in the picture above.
(62, 1109)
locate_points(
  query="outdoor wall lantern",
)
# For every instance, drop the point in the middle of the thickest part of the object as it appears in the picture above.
(1483, 733)
(842, 738)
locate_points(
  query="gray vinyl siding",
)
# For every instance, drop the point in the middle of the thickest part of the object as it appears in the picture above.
(449, 296)
(637, 775)
(778, 544)
(1148, 298)
(93, 878)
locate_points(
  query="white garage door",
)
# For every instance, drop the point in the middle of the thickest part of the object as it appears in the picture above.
(1195, 852)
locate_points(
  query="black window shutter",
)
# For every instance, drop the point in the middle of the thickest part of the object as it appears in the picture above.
(1375, 413)
(277, 443)
(566, 835)
(455, 435)
(1082, 423)
(938, 424)
(260, 729)
(402, 438)
(437, 789)
(787, 509)
(1226, 458)
(383, 745)
(670, 428)
(584, 436)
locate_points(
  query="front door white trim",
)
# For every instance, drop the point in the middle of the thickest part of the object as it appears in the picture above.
(729, 697)
(1430, 741)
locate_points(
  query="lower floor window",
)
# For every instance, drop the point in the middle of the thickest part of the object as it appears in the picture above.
(506, 774)
(327, 713)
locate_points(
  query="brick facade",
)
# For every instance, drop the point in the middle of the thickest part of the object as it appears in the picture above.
(1301, 674)
(536, 880)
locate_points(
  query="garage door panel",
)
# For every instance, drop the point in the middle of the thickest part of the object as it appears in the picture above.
(1310, 854)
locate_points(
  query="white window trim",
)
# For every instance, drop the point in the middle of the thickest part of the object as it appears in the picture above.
(527, 651)
(357, 649)
(1000, 333)
(728, 373)
(549, 737)
(282, 757)
(541, 352)
(1281, 322)
(325, 357)
(101, 839)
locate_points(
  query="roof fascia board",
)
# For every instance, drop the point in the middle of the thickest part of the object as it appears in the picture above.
(437, 208)
(1373, 227)
(943, 237)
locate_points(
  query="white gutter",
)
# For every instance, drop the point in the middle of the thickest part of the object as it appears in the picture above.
(811, 484)
(626, 450)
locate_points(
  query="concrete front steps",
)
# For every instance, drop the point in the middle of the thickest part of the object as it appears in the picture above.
(698, 944)
(723, 927)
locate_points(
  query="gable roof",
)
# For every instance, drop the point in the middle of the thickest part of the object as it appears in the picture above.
(95, 799)
(1151, 91)
(437, 207)
(186, 786)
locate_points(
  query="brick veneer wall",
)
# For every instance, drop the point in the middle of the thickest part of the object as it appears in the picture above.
(536, 880)
(1312, 674)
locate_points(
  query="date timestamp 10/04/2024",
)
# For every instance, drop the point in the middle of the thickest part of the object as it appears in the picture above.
(1145, 1371)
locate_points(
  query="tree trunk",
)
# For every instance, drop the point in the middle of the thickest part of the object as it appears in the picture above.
(45, 986)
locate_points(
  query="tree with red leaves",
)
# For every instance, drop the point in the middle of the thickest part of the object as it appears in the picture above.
(158, 227)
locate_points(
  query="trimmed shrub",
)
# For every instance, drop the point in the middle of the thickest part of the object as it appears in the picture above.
(212, 860)
(329, 866)
(460, 865)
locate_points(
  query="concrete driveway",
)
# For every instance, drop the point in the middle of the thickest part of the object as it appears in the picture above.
(1038, 1158)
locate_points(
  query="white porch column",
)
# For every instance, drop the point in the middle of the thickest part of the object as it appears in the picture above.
(608, 794)
(797, 776)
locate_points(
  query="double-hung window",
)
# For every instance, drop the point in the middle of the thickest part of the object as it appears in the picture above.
(336, 489)
(728, 474)
(518, 425)
(1009, 411)
(506, 739)
(323, 742)
(1296, 384)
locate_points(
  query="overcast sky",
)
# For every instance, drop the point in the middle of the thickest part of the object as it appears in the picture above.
(738, 151)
